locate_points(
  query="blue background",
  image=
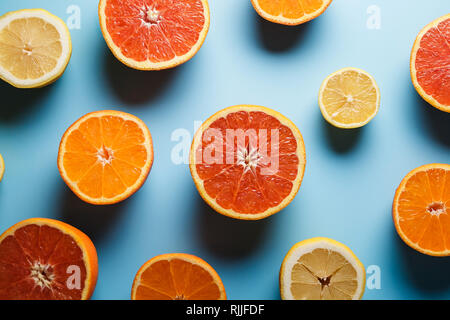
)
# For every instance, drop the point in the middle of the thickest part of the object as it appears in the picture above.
(350, 178)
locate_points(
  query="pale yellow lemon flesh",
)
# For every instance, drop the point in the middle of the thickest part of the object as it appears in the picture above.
(349, 98)
(35, 48)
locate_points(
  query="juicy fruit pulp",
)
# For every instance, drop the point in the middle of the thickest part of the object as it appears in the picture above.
(321, 272)
(422, 207)
(349, 98)
(430, 65)
(290, 11)
(177, 277)
(155, 31)
(34, 47)
(106, 156)
(38, 261)
(247, 162)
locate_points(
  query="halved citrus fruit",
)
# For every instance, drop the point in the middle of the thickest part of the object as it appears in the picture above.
(35, 48)
(290, 12)
(430, 63)
(321, 269)
(154, 34)
(247, 162)
(2, 167)
(177, 276)
(45, 259)
(349, 98)
(421, 209)
(106, 156)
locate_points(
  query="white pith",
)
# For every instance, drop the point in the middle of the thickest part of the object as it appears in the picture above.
(41, 275)
(248, 158)
(105, 155)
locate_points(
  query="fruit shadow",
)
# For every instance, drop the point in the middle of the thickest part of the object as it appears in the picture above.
(278, 38)
(135, 87)
(228, 238)
(18, 103)
(94, 220)
(435, 121)
(341, 140)
(426, 272)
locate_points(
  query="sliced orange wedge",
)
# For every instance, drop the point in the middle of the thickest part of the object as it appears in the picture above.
(106, 156)
(154, 35)
(177, 276)
(45, 259)
(247, 162)
(290, 12)
(421, 209)
(430, 63)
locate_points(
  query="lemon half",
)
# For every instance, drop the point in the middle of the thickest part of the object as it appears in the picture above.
(321, 269)
(349, 98)
(35, 48)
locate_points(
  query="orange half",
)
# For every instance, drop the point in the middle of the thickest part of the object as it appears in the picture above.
(45, 259)
(154, 34)
(106, 156)
(421, 209)
(248, 162)
(290, 12)
(177, 276)
(430, 63)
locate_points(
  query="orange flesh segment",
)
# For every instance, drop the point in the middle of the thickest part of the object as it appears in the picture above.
(177, 279)
(249, 191)
(291, 9)
(177, 30)
(433, 62)
(105, 155)
(424, 208)
(39, 244)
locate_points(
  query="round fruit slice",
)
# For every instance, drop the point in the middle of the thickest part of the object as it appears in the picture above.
(430, 63)
(106, 156)
(321, 269)
(290, 12)
(35, 48)
(44, 259)
(247, 162)
(154, 34)
(2, 167)
(349, 98)
(177, 276)
(421, 209)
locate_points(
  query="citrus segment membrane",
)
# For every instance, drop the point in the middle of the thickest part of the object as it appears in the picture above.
(41, 261)
(321, 269)
(35, 47)
(177, 277)
(106, 156)
(154, 34)
(349, 98)
(248, 161)
(430, 63)
(290, 12)
(422, 207)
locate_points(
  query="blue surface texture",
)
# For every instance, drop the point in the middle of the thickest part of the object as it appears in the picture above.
(350, 178)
